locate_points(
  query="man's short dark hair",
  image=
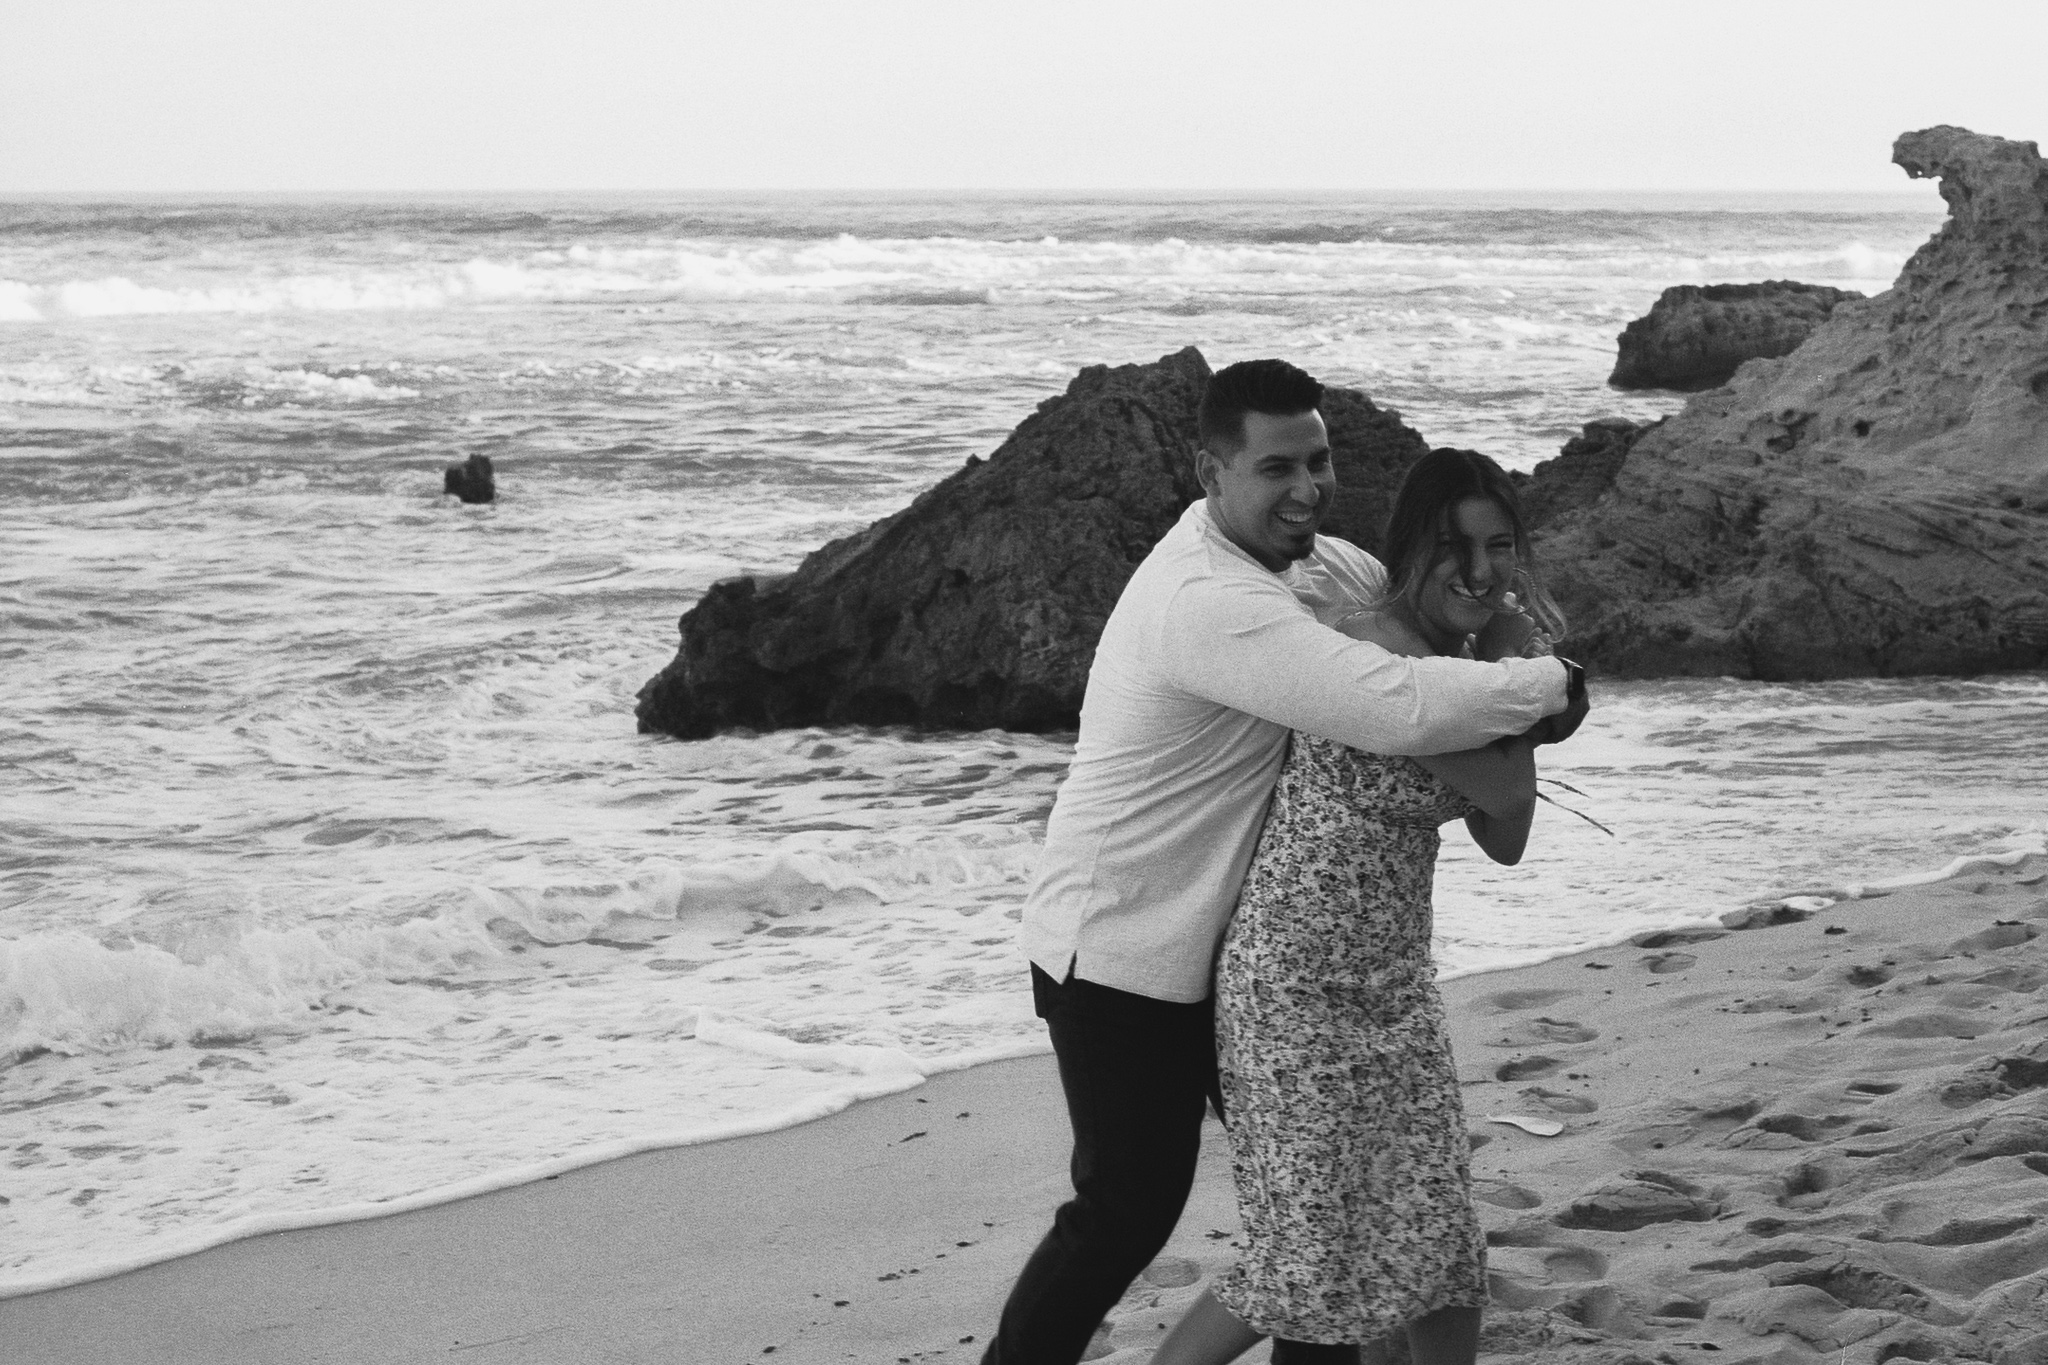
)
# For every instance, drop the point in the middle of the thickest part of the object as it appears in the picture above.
(1273, 387)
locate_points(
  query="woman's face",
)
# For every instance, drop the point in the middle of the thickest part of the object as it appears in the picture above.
(1475, 563)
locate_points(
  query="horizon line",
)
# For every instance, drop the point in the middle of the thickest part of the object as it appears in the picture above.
(1903, 191)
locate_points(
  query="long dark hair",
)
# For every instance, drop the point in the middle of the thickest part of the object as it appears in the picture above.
(1421, 519)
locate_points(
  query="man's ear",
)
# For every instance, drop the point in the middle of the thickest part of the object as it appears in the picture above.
(1208, 469)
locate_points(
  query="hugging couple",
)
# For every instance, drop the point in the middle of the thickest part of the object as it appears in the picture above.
(1275, 725)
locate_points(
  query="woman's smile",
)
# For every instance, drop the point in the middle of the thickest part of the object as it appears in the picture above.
(1474, 567)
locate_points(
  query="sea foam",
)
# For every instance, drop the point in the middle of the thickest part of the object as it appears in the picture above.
(335, 879)
(927, 272)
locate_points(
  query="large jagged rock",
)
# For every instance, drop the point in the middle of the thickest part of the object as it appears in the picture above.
(979, 604)
(1695, 336)
(1874, 503)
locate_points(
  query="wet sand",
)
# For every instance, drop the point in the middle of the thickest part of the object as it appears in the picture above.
(1823, 1138)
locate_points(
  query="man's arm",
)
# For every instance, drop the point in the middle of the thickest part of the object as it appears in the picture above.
(1248, 645)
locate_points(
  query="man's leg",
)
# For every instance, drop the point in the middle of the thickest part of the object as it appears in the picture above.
(1136, 1073)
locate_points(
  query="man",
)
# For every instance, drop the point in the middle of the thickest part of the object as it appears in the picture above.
(1217, 648)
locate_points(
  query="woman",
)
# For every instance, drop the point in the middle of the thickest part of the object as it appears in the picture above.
(1346, 1131)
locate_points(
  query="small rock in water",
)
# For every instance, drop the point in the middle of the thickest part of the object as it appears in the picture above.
(471, 480)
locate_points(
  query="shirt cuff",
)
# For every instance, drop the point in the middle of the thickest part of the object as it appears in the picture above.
(1555, 700)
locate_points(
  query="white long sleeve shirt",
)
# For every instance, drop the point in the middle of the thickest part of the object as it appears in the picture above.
(1205, 665)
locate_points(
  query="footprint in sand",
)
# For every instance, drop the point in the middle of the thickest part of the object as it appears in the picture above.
(1172, 1272)
(1862, 976)
(1514, 1293)
(1727, 1117)
(1959, 1232)
(1654, 1137)
(1543, 1030)
(1575, 1265)
(1503, 1194)
(1783, 1131)
(1561, 1102)
(1685, 1309)
(1802, 1126)
(1523, 1232)
(1934, 1024)
(1672, 938)
(1874, 1087)
(2001, 935)
(1601, 1308)
(1968, 995)
(2020, 980)
(1525, 1000)
(1526, 1068)
(1663, 964)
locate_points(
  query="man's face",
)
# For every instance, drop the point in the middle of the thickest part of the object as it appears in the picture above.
(1271, 495)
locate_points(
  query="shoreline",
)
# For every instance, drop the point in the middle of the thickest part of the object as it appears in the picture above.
(892, 1228)
(862, 1088)
(911, 1076)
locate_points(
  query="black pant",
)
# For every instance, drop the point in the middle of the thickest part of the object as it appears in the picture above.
(1136, 1072)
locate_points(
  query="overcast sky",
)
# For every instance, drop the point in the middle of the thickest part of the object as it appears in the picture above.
(225, 95)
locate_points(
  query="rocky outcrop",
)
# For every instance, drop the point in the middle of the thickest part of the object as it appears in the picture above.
(1874, 503)
(472, 480)
(979, 604)
(1695, 336)
(1582, 471)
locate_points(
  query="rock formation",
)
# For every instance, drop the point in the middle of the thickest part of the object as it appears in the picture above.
(980, 603)
(1695, 336)
(472, 480)
(1874, 503)
(1582, 471)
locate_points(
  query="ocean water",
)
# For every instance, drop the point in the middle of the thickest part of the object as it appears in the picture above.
(333, 876)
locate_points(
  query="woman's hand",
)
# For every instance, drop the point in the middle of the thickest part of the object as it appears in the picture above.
(1511, 634)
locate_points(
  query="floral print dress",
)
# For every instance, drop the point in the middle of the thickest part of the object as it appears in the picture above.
(1347, 1134)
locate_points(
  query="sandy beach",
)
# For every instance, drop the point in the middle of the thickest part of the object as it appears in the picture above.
(1824, 1137)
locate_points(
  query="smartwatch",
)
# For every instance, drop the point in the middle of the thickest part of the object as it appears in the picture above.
(1574, 679)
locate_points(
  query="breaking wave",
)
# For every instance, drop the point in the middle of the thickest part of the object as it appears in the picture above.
(927, 272)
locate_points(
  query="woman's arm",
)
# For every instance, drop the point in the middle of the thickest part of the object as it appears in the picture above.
(1504, 829)
(1499, 778)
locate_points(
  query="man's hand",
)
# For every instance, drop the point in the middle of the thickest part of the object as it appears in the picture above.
(1562, 726)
